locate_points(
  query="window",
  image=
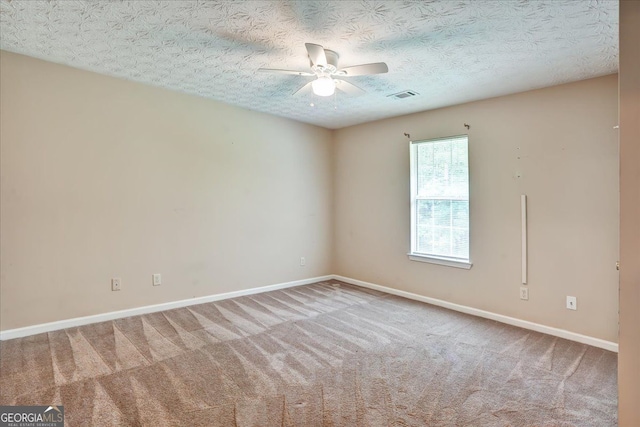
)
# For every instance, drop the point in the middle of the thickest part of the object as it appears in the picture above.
(440, 201)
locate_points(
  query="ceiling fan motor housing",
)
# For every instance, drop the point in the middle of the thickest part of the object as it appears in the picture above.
(332, 63)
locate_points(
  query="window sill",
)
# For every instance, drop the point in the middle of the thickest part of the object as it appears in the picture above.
(440, 261)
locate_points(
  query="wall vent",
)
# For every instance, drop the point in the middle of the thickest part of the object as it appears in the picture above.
(404, 94)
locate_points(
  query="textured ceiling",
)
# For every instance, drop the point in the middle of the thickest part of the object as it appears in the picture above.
(448, 51)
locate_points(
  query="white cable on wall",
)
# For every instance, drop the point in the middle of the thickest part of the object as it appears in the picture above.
(523, 210)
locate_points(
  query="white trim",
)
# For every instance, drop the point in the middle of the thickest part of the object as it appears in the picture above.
(80, 321)
(440, 261)
(523, 219)
(413, 186)
(414, 197)
(442, 138)
(561, 333)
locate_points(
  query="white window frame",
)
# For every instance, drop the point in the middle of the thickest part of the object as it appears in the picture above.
(414, 255)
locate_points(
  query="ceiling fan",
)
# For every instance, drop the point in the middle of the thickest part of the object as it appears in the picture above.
(324, 66)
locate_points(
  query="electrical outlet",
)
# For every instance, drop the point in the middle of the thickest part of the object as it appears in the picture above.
(157, 279)
(116, 282)
(572, 303)
(524, 293)
(303, 261)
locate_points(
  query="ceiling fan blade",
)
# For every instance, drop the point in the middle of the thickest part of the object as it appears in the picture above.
(306, 89)
(292, 72)
(364, 69)
(348, 88)
(316, 54)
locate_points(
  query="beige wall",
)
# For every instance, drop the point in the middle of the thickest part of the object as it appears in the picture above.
(106, 178)
(561, 140)
(629, 357)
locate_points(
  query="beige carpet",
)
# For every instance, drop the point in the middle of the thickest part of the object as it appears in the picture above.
(327, 354)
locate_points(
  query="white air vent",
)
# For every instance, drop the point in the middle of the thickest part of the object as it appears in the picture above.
(404, 94)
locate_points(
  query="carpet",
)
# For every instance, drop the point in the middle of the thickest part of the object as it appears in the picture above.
(327, 354)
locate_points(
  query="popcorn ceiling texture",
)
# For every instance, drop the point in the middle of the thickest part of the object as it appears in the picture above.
(327, 354)
(448, 51)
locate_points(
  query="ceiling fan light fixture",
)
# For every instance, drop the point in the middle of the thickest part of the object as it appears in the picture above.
(323, 86)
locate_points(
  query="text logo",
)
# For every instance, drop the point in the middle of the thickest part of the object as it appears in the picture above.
(31, 416)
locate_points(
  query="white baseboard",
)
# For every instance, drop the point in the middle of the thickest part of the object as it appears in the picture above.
(584, 339)
(79, 321)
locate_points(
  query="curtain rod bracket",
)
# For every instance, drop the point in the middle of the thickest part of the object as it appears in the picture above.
(467, 126)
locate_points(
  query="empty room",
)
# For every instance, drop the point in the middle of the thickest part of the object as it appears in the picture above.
(319, 213)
